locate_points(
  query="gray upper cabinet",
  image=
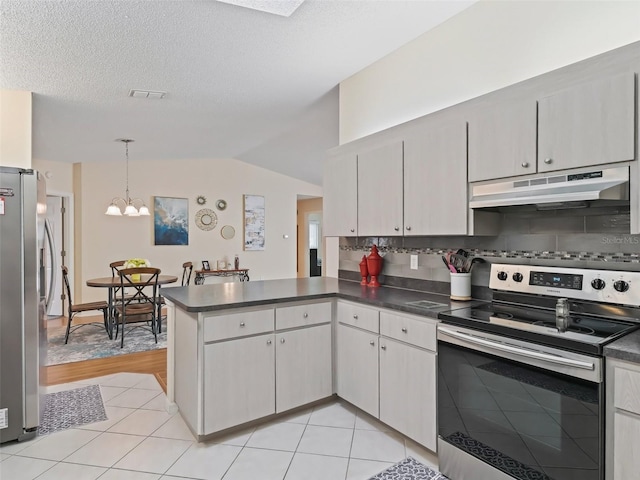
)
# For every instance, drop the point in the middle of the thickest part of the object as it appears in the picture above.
(380, 191)
(502, 141)
(340, 202)
(435, 180)
(589, 124)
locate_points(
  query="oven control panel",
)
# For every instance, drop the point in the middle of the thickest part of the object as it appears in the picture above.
(609, 286)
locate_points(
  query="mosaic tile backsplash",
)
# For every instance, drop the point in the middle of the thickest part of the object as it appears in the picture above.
(595, 240)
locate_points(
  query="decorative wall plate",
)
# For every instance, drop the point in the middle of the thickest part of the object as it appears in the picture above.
(201, 200)
(221, 204)
(206, 219)
(228, 232)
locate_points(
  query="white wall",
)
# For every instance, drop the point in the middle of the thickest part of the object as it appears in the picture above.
(104, 239)
(15, 128)
(491, 45)
(59, 175)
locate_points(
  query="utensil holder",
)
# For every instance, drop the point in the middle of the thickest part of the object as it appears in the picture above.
(460, 286)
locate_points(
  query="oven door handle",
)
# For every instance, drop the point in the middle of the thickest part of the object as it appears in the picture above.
(525, 352)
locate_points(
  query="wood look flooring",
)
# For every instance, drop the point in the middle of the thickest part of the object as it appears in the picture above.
(153, 362)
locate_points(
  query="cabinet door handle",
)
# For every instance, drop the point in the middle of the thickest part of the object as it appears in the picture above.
(383, 347)
(268, 342)
(408, 229)
(404, 330)
(242, 324)
(305, 315)
(372, 343)
(525, 164)
(355, 317)
(353, 230)
(396, 229)
(282, 340)
(548, 160)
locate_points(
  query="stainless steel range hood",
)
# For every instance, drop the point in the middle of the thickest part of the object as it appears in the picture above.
(555, 190)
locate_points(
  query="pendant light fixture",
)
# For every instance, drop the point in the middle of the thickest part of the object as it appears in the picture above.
(128, 202)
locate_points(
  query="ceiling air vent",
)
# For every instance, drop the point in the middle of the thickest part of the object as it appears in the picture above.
(146, 94)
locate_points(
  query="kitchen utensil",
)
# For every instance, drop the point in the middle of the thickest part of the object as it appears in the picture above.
(463, 252)
(450, 267)
(475, 260)
(458, 261)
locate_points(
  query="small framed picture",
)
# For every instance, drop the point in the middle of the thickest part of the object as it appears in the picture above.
(205, 265)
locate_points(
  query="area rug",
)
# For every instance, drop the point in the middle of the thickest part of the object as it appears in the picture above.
(71, 408)
(409, 469)
(92, 342)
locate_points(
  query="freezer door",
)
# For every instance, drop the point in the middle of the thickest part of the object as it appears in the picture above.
(20, 311)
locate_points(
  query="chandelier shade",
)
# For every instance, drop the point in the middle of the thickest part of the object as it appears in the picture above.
(129, 204)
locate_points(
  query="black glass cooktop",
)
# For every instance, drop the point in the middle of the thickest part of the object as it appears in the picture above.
(585, 333)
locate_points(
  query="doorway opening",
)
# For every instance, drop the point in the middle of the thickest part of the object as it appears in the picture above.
(310, 244)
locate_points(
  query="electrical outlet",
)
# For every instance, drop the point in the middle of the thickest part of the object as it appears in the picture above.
(414, 262)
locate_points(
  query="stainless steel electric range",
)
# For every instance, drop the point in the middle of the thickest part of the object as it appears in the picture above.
(521, 378)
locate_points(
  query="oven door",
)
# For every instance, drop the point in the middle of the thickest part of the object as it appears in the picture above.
(512, 409)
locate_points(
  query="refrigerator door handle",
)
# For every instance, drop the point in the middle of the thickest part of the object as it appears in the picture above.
(52, 279)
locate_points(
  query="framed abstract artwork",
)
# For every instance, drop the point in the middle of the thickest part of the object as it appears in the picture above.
(170, 221)
(254, 232)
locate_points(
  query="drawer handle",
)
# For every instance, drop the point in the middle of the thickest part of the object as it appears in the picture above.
(372, 343)
(383, 347)
(396, 228)
(404, 330)
(355, 317)
(548, 161)
(305, 315)
(268, 342)
(282, 340)
(525, 164)
(242, 324)
(353, 230)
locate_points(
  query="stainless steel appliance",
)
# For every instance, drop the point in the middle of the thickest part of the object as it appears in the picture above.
(554, 190)
(22, 303)
(521, 378)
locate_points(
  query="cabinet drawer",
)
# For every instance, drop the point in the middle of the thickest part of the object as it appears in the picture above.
(361, 317)
(303, 315)
(239, 324)
(418, 332)
(627, 390)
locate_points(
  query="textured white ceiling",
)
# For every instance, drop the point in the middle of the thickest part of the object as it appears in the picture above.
(241, 83)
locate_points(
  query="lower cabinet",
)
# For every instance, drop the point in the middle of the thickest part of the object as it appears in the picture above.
(239, 381)
(303, 366)
(358, 368)
(392, 374)
(622, 420)
(408, 391)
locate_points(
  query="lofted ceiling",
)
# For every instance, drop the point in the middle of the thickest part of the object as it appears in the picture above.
(240, 83)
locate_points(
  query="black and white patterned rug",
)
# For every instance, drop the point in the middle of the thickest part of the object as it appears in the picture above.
(409, 469)
(71, 408)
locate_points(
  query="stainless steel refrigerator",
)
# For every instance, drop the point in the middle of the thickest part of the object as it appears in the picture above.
(23, 204)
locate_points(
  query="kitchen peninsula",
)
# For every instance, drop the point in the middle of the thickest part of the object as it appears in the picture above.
(242, 352)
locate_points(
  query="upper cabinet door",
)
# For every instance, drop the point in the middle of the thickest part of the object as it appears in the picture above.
(590, 124)
(340, 201)
(380, 191)
(502, 141)
(435, 180)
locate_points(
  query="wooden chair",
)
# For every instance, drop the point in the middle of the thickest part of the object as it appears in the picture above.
(187, 268)
(82, 307)
(115, 268)
(143, 302)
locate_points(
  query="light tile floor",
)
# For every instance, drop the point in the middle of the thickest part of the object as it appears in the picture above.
(141, 441)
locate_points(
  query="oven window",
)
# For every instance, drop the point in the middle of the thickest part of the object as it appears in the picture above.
(529, 423)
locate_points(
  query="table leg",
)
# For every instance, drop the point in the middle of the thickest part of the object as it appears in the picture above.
(111, 312)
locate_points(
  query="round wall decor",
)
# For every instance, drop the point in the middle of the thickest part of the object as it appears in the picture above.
(221, 204)
(206, 219)
(228, 232)
(201, 199)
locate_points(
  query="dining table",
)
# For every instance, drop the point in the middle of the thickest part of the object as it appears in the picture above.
(111, 283)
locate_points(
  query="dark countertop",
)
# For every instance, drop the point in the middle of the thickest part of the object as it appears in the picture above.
(224, 296)
(626, 348)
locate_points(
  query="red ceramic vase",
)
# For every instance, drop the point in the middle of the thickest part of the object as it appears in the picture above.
(374, 265)
(364, 271)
